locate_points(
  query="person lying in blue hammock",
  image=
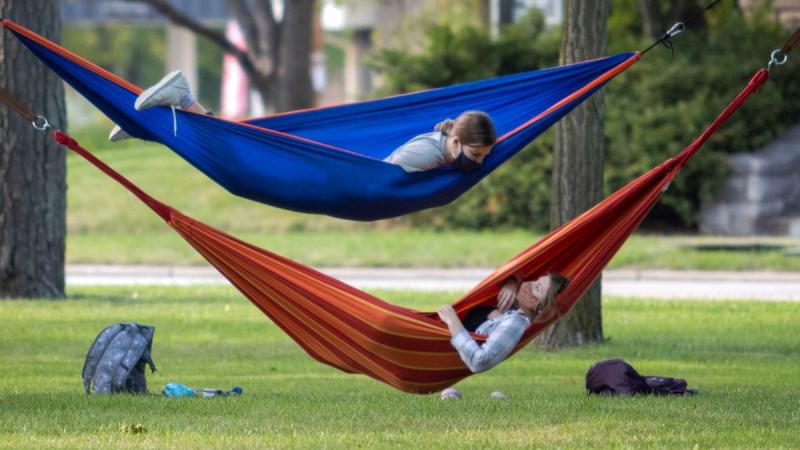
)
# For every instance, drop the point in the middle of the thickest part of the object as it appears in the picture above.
(463, 142)
(518, 305)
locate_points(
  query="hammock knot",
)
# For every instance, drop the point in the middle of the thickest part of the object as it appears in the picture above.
(65, 140)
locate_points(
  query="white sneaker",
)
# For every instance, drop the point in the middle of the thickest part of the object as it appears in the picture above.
(118, 134)
(166, 92)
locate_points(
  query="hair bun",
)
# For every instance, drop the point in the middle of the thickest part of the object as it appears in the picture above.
(445, 126)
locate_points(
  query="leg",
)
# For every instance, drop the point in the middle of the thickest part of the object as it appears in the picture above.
(196, 108)
(172, 90)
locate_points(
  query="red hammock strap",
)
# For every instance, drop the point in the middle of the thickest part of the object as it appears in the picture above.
(755, 82)
(159, 208)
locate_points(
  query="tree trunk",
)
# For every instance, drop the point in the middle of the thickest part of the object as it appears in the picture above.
(294, 76)
(652, 19)
(577, 182)
(32, 165)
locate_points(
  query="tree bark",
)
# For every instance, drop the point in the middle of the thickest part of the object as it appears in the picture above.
(577, 182)
(295, 89)
(32, 165)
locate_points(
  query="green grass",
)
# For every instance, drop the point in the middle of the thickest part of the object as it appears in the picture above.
(107, 225)
(742, 356)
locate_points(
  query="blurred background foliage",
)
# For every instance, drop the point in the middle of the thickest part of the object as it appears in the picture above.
(136, 53)
(653, 110)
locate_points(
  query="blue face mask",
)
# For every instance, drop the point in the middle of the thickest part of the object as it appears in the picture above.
(464, 164)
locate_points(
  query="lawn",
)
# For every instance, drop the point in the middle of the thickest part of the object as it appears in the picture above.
(107, 225)
(742, 356)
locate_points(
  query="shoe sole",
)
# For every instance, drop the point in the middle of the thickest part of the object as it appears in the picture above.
(118, 134)
(153, 90)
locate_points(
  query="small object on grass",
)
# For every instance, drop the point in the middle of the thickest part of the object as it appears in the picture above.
(134, 428)
(499, 395)
(179, 390)
(210, 392)
(451, 394)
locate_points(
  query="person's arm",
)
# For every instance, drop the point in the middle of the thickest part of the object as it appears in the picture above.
(498, 345)
(507, 295)
(449, 317)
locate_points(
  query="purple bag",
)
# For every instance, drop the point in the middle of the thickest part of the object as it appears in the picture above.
(616, 377)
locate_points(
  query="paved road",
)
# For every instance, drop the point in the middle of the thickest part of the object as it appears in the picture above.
(666, 284)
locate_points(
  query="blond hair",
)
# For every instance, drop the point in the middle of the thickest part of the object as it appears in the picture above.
(472, 127)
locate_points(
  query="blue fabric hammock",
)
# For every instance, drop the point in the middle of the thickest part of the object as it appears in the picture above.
(329, 160)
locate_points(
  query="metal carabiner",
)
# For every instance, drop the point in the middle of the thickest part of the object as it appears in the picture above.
(41, 123)
(676, 29)
(777, 58)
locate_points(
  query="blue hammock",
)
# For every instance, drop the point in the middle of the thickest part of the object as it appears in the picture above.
(329, 160)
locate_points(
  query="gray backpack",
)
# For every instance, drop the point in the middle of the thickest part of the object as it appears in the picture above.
(115, 362)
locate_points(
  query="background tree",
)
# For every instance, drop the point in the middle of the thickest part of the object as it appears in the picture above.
(32, 165)
(277, 57)
(659, 15)
(577, 182)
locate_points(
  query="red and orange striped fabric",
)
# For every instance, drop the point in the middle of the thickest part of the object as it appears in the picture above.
(410, 350)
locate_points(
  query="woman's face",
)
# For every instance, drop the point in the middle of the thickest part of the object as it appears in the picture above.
(540, 287)
(473, 152)
(532, 293)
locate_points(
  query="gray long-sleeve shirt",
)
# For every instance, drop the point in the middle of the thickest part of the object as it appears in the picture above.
(503, 333)
(423, 152)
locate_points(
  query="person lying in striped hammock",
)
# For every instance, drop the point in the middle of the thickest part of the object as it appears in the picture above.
(519, 305)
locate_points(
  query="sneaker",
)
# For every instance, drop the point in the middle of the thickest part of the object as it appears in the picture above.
(167, 92)
(118, 134)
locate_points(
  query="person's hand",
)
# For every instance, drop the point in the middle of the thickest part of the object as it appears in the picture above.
(447, 314)
(506, 296)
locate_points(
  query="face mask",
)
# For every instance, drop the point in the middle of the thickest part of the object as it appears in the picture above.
(463, 164)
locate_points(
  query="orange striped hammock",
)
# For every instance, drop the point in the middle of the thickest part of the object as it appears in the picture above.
(410, 350)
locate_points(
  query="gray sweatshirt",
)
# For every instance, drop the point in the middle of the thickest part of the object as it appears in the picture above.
(423, 152)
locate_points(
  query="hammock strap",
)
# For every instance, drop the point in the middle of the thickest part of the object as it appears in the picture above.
(792, 42)
(755, 82)
(159, 208)
(778, 57)
(781, 55)
(18, 106)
